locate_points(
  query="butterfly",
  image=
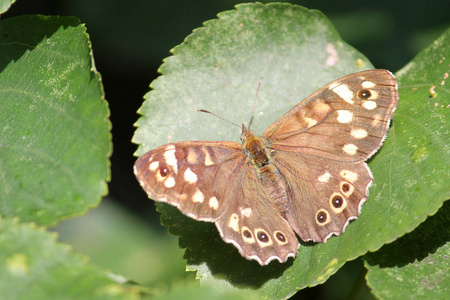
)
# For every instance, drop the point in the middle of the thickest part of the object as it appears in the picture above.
(305, 175)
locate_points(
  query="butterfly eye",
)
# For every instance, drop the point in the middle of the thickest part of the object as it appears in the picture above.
(247, 234)
(345, 187)
(280, 237)
(163, 171)
(262, 236)
(322, 217)
(337, 202)
(364, 94)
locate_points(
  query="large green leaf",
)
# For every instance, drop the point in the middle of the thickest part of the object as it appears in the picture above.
(217, 68)
(420, 160)
(34, 266)
(417, 264)
(55, 139)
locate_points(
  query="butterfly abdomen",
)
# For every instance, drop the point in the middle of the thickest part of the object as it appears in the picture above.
(270, 178)
(255, 148)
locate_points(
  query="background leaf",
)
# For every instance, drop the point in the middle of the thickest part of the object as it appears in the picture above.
(295, 51)
(55, 139)
(34, 266)
(418, 263)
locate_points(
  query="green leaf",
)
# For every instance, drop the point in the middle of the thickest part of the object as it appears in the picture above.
(416, 264)
(183, 291)
(55, 139)
(297, 51)
(420, 161)
(34, 266)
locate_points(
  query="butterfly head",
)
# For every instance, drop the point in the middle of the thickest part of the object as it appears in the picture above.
(254, 147)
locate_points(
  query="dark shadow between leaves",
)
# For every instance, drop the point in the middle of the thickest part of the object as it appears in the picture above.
(203, 244)
(416, 245)
(24, 33)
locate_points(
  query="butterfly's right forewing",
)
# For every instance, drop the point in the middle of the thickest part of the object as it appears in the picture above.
(189, 175)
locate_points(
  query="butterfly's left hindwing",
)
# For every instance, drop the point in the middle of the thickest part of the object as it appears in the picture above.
(331, 193)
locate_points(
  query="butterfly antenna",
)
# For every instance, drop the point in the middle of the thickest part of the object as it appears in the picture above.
(254, 102)
(211, 113)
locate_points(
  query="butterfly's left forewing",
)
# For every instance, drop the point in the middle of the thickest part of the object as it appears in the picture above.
(346, 120)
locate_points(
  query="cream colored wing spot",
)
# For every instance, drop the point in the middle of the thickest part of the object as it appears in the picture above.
(325, 177)
(373, 95)
(337, 203)
(349, 175)
(344, 116)
(367, 84)
(233, 222)
(350, 149)
(153, 166)
(369, 105)
(322, 217)
(198, 196)
(321, 107)
(310, 122)
(190, 176)
(169, 182)
(170, 159)
(208, 160)
(263, 238)
(246, 212)
(343, 91)
(280, 238)
(247, 235)
(192, 158)
(358, 133)
(213, 203)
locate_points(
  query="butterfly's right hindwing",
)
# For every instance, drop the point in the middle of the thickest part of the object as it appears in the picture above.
(252, 222)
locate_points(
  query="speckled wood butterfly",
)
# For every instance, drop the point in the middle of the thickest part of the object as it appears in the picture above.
(306, 174)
